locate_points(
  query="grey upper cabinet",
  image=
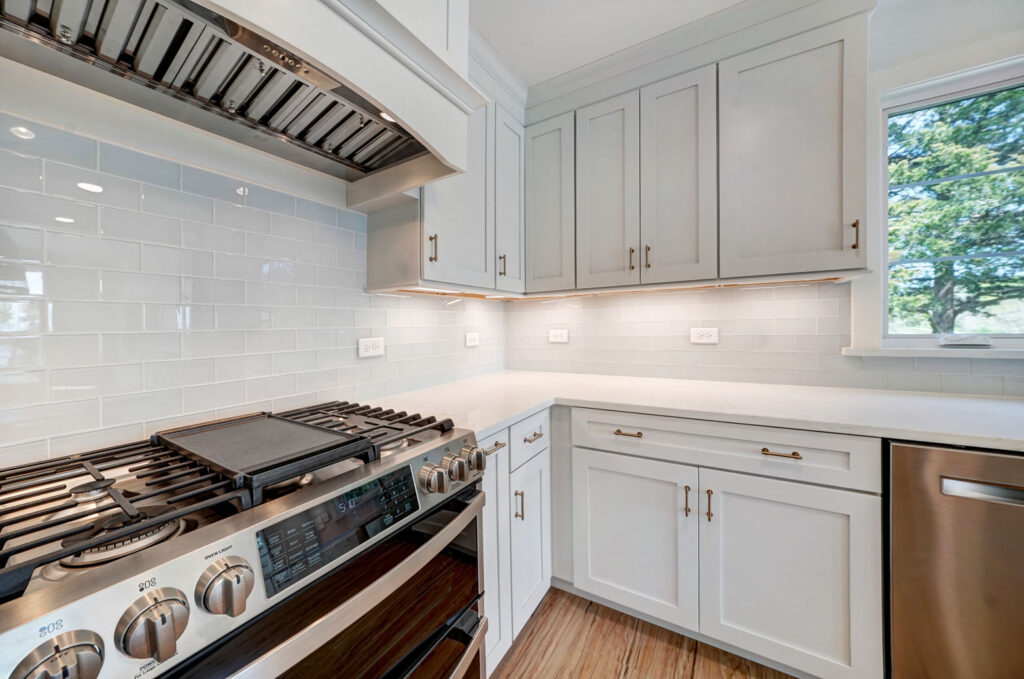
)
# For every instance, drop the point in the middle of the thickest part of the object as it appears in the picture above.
(550, 205)
(793, 154)
(458, 230)
(608, 192)
(509, 161)
(679, 178)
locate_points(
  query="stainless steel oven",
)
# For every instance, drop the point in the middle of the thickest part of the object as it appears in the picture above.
(411, 606)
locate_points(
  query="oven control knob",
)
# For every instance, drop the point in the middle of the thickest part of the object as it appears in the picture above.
(151, 626)
(71, 654)
(475, 458)
(457, 466)
(225, 585)
(433, 478)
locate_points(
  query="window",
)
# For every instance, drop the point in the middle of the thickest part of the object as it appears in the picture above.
(956, 217)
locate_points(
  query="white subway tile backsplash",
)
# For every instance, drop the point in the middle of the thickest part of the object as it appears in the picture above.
(135, 347)
(242, 317)
(71, 351)
(158, 200)
(21, 172)
(272, 247)
(166, 260)
(293, 228)
(268, 199)
(95, 317)
(221, 343)
(135, 226)
(20, 245)
(21, 352)
(212, 291)
(47, 212)
(316, 212)
(169, 374)
(47, 143)
(91, 440)
(243, 367)
(185, 317)
(79, 383)
(260, 341)
(88, 186)
(120, 286)
(212, 396)
(238, 217)
(141, 167)
(212, 185)
(25, 423)
(118, 410)
(96, 253)
(212, 238)
(262, 388)
(23, 386)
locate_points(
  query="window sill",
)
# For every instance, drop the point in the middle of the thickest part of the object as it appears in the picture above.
(933, 352)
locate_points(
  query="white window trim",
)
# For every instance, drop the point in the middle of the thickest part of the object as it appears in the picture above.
(869, 294)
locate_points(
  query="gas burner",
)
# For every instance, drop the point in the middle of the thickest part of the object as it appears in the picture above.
(134, 542)
(91, 489)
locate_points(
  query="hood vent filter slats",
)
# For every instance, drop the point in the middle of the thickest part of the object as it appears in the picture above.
(189, 53)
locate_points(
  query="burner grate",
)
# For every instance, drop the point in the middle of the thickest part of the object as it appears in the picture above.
(175, 483)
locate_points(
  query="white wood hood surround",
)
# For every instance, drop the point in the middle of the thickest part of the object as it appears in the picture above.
(372, 52)
(496, 400)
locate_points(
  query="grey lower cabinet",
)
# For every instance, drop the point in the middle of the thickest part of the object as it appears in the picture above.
(550, 220)
(608, 192)
(792, 154)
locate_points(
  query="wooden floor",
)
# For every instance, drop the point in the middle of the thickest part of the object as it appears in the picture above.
(572, 637)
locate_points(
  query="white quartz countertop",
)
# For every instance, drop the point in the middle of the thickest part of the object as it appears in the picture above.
(493, 401)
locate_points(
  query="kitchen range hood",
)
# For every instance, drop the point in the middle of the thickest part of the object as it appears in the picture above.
(184, 61)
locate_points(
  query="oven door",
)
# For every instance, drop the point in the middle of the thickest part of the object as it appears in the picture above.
(409, 607)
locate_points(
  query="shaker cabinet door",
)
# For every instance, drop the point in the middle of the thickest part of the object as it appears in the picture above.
(793, 151)
(679, 178)
(608, 192)
(550, 205)
(509, 168)
(530, 500)
(497, 566)
(792, 572)
(458, 233)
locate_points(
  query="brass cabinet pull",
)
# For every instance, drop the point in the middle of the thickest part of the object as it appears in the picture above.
(619, 432)
(433, 258)
(856, 234)
(504, 265)
(632, 251)
(498, 445)
(521, 514)
(789, 456)
(686, 501)
(647, 256)
(536, 435)
(709, 507)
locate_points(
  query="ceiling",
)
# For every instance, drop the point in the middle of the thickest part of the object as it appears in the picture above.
(540, 39)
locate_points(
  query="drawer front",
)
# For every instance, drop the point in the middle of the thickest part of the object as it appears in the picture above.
(815, 457)
(529, 437)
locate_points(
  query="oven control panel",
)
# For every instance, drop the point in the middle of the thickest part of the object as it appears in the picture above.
(307, 541)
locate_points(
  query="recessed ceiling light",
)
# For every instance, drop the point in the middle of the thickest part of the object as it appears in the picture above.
(64, 220)
(23, 132)
(91, 188)
(388, 118)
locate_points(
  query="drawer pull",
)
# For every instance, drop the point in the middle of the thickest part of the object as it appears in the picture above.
(789, 456)
(709, 507)
(521, 514)
(498, 445)
(686, 500)
(536, 435)
(637, 435)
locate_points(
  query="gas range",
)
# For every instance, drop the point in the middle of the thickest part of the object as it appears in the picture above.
(128, 560)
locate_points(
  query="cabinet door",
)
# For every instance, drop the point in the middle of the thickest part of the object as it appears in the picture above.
(550, 205)
(508, 201)
(458, 232)
(530, 500)
(793, 154)
(635, 533)
(497, 579)
(792, 572)
(679, 178)
(608, 192)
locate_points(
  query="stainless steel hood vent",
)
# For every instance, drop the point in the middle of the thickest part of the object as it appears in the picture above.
(181, 60)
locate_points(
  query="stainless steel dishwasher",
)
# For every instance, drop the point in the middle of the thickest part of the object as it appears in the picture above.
(957, 563)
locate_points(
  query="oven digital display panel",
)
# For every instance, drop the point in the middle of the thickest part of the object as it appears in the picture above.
(305, 542)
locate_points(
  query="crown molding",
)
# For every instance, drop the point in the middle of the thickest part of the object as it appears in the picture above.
(732, 31)
(487, 68)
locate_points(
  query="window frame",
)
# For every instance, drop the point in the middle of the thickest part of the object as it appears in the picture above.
(989, 78)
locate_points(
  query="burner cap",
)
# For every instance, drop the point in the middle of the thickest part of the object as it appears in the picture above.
(92, 487)
(123, 546)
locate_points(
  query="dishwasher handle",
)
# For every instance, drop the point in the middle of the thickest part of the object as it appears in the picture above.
(980, 490)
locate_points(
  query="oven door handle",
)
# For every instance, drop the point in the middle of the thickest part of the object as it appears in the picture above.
(294, 649)
(472, 650)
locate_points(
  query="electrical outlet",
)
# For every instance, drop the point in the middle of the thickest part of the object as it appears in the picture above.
(558, 336)
(472, 339)
(371, 346)
(703, 335)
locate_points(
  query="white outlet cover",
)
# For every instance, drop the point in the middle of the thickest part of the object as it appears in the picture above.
(472, 339)
(560, 336)
(371, 346)
(703, 335)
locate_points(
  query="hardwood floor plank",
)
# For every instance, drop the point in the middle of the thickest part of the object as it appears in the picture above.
(569, 637)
